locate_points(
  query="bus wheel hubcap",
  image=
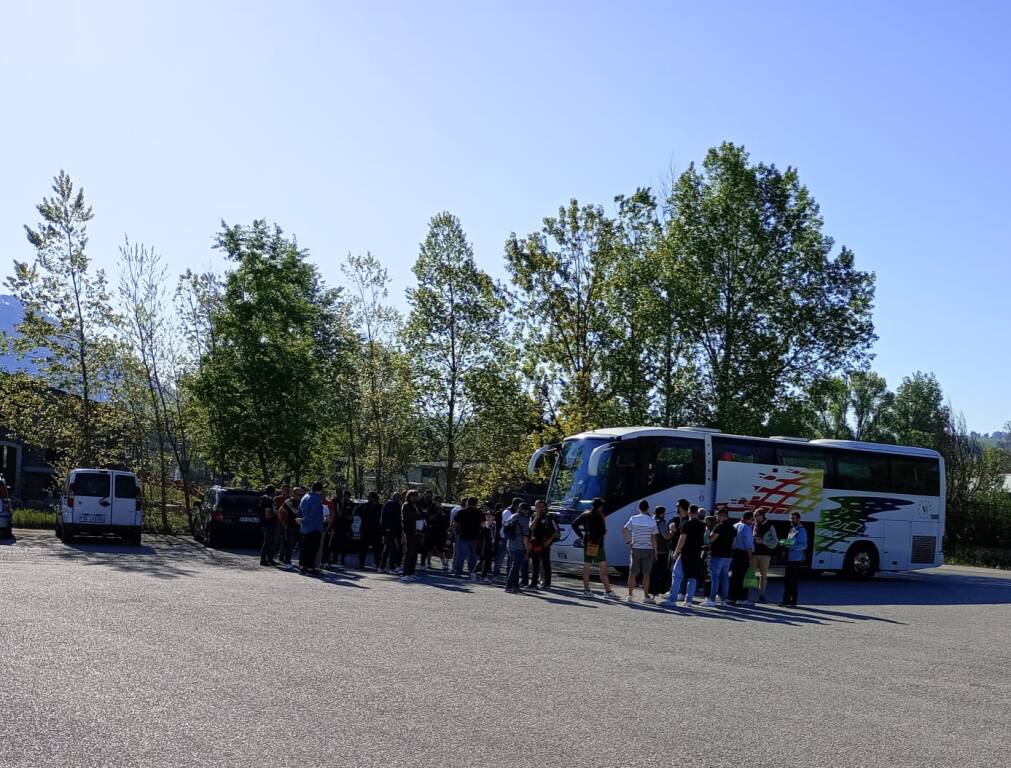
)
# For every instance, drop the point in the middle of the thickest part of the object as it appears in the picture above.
(862, 562)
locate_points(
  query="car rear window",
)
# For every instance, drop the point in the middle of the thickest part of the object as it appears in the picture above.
(126, 487)
(240, 502)
(91, 484)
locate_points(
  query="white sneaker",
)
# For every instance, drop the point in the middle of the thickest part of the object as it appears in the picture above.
(406, 579)
(650, 600)
(688, 603)
(681, 597)
(722, 603)
(611, 596)
(587, 593)
(707, 603)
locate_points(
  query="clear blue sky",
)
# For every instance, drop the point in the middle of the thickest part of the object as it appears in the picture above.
(351, 125)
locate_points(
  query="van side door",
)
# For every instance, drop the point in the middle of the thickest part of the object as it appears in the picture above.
(125, 500)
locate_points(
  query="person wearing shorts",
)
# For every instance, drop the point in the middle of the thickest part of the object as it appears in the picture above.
(640, 535)
(591, 527)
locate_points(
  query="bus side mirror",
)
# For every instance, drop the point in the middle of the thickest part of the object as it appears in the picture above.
(535, 460)
(593, 465)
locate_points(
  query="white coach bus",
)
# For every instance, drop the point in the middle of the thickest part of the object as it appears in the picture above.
(868, 507)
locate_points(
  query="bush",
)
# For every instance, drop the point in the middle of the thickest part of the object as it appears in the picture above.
(983, 557)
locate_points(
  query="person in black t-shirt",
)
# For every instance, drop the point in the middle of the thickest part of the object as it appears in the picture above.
(688, 552)
(660, 575)
(721, 547)
(591, 527)
(370, 535)
(543, 532)
(466, 530)
(268, 523)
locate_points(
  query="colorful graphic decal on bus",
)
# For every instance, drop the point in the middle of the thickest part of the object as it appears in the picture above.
(781, 490)
(849, 520)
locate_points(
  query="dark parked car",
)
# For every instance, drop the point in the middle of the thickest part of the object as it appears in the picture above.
(228, 516)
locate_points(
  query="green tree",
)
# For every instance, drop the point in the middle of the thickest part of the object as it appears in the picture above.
(67, 330)
(387, 394)
(918, 414)
(871, 404)
(559, 274)
(454, 329)
(258, 382)
(763, 302)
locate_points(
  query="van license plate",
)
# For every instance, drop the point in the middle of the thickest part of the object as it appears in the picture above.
(92, 518)
(249, 519)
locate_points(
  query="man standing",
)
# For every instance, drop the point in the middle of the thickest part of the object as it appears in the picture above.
(392, 534)
(744, 549)
(543, 532)
(517, 530)
(371, 531)
(466, 530)
(268, 522)
(591, 527)
(677, 573)
(796, 555)
(502, 520)
(661, 574)
(766, 541)
(413, 524)
(721, 546)
(640, 535)
(310, 520)
(688, 555)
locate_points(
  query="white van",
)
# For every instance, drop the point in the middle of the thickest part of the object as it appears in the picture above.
(97, 501)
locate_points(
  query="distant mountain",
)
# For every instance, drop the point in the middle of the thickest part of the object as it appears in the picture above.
(11, 313)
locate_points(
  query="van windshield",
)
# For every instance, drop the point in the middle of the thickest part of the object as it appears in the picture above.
(91, 484)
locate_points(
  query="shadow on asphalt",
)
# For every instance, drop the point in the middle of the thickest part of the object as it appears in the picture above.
(929, 588)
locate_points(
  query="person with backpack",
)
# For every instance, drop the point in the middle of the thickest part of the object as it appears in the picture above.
(766, 541)
(517, 533)
(544, 531)
(591, 527)
(740, 557)
(796, 555)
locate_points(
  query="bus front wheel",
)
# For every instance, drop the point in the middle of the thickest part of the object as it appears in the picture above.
(861, 561)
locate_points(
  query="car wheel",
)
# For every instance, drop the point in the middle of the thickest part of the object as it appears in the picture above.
(210, 540)
(59, 529)
(68, 534)
(861, 561)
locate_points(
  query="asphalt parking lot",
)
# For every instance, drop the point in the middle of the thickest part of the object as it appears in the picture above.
(171, 655)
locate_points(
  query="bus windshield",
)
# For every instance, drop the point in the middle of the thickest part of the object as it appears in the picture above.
(571, 487)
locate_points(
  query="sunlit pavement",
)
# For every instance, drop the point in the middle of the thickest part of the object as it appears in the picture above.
(172, 655)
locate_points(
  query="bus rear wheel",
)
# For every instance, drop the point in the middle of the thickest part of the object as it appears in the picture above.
(861, 562)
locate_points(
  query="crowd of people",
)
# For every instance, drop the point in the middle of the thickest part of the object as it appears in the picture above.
(693, 555)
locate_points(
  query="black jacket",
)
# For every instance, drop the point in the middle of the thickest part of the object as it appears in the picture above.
(389, 518)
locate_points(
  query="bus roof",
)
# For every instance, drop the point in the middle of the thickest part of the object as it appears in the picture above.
(626, 433)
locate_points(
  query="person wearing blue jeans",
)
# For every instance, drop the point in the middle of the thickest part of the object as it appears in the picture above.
(517, 532)
(721, 546)
(677, 572)
(688, 560)
(466, 528)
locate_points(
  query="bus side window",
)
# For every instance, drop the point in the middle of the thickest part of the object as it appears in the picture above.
(861, 472)
(910, 474)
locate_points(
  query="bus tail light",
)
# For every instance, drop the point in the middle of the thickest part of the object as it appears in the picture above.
(217, 513)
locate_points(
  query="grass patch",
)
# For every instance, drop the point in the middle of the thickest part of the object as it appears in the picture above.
(982, 557)
(33, 518)
(44, 518)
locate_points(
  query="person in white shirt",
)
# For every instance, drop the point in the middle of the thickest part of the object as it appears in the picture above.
(640, 535)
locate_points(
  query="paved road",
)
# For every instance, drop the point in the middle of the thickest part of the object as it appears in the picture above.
(170, 655)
